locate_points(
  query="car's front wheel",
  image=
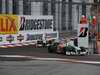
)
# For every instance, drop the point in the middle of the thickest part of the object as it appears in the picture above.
(50, 49)
(66, 51)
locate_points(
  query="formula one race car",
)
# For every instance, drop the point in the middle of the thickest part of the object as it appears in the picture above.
(41, 43)
(66, 49)
(73, 50)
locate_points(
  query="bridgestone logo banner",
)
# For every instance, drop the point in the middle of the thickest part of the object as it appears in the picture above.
(83, 35)
(35, 23)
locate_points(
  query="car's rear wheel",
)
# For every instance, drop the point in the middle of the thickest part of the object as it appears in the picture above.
(64, 51)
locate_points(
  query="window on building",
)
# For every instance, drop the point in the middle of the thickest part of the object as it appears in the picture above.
(7, 6)
(53, 7)
(96, 1)
(63, 15)
(45, 8)
(0, 6)
(70, 27)
(27, 7)
(83, 8)
(15, 7)
(53, 12)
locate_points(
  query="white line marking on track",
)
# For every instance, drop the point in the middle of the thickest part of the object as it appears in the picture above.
(52, 59)
(10, 45)
(19, 45)
(15, 45)
(18, 56)
(32, 43)
(3, 47)
(25, 44)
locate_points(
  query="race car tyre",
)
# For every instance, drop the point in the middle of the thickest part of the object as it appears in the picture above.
(44, 44)
(64, 51)
(68, 53)
(50, 49)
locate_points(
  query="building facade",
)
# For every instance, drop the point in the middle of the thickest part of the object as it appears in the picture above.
(66, 12)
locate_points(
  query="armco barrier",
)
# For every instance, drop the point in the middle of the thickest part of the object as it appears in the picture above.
(17, 45)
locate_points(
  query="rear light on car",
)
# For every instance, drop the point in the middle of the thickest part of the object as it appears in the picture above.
(61, 45)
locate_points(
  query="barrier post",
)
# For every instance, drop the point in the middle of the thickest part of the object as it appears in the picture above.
(97, 47)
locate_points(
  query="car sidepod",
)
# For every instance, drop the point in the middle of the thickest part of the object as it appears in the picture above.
(69, 50)
(83, 51)
(52, 48)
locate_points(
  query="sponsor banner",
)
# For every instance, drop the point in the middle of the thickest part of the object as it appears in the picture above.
(24, 36)
(20, 29)
(20, 37)
(1, 39)
(35, 23)
(83, 35)
(31, 37)
(8, 24)
(53, 35)
(10, 38)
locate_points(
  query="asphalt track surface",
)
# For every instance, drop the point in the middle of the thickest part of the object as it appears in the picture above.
(37, 67)
(41, 53)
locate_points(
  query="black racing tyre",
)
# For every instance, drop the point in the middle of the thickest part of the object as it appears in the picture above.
(64, 50)
(44, 44)
(50, 49)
